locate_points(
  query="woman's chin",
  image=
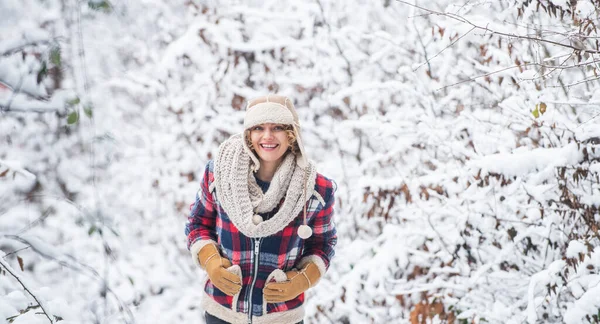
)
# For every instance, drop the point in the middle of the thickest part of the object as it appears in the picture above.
(270, 157)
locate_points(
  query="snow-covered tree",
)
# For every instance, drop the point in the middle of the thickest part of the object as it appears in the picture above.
(463, 137)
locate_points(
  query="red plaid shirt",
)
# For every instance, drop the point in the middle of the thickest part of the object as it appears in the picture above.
(284, 250)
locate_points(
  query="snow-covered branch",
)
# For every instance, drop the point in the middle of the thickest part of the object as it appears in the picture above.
(486, 29)
(21, 281)
(17, 167)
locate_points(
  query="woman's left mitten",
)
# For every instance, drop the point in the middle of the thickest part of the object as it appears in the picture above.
(297, 283)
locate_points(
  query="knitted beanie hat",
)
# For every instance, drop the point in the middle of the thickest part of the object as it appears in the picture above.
(277, 110)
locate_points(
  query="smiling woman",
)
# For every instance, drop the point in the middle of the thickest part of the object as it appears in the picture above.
(270, 142)
(262, 224)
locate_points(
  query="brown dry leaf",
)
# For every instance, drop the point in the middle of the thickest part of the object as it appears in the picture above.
(406, 193)
(542, 108)
(424, 194)
(237, 102)
(346, 100)
(20, 263)
(400, 299)
(424, 311)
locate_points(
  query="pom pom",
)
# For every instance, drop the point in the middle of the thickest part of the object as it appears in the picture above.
(304, 231)
(257, 219)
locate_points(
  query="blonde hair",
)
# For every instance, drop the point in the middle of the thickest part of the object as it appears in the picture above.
(290, 135)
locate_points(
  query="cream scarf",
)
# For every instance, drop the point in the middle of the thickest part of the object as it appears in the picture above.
(241, 197)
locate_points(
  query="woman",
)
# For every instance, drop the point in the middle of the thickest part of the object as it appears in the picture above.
(262, 224)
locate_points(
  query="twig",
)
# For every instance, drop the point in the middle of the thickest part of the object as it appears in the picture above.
(589, 120)
(554, 68)
(6, 108)
(578, 82)
(13, 95)
(523, 65)
(554, 32)
(7, 268)
(466, 21)
(337, 44)
(345, 177)
(445, 48)
(79, 267)
(13, 50)
(35, 222)
(21, 312)
(81, 53)
(481, 76)
(561, 67)
(19, 89)
(427, 60)
(444, 245)
(16, 251)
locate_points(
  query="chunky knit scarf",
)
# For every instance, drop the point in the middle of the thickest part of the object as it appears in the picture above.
(241, 197)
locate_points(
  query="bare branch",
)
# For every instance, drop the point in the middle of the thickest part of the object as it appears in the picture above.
(11, 51)
(486, 29)
(16, 251)
(482, 76)
(8, 269)
(16, 167)
(19, 89)
(79, 267)
(14, 94)
(579, 82)
(5, 108)
(445, 48)
(589, 120)
(337, 44)
(559, 67)
(427, 60)
(36, 222)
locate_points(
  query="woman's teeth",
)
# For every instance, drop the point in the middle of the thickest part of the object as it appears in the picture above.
(268, 146)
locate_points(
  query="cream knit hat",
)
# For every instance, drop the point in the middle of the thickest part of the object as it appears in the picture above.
(277, 110)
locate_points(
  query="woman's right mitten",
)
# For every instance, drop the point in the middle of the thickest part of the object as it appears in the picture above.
(216, 268)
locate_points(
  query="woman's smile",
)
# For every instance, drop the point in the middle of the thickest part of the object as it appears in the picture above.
(269, 147)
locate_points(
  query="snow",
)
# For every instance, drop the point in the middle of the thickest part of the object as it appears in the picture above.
(588, 130)
(448, 189)
(22, 79)
(540, 279)
(587, 304)
(20, 102)
(575, 248)
(585, 8)
(523, 161)
(528, 74)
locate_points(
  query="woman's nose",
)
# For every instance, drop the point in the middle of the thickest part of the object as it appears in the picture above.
(268, 133)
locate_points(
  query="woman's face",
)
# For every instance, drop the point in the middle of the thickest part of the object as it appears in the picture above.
(270, 141)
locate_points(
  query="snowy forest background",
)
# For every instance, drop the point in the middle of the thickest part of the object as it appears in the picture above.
(464, 137)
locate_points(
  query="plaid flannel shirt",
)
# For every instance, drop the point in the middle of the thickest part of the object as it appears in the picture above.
(284, 250)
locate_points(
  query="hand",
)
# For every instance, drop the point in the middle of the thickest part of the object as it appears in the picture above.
(297, 282)
(216, 268)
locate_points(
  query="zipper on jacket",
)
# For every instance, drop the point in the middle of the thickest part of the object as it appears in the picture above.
(255, 275)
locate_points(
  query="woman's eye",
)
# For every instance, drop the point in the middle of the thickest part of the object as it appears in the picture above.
(278, 128)
(257, 128)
